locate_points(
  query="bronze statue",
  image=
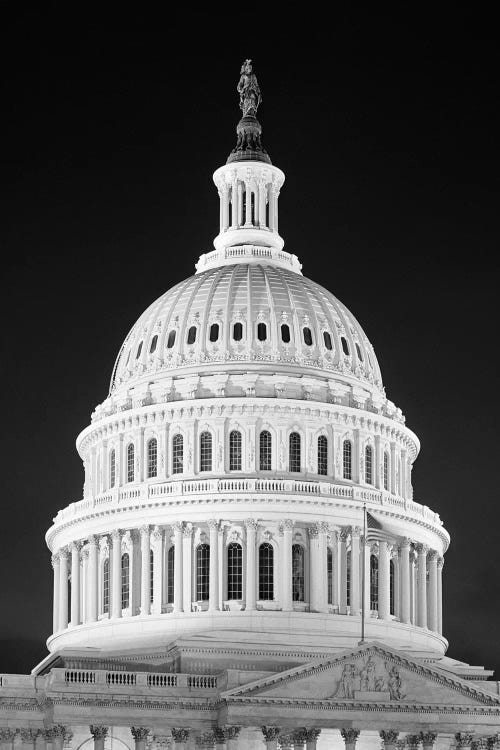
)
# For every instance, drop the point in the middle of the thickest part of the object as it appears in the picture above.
(249, 90)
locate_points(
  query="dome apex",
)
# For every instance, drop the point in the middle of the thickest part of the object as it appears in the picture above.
(249, 130)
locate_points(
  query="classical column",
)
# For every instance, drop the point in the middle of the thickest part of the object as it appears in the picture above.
(314, 578)
(335, 559)
(428, 739)
(225, 207)
(355, 581)
(271, 735)
(187, 555)
(180, 736)
(367, 548)
(63, 589)
(75, 584)
(413, 587)
(99, 733)
(311, 737)
(145, 570)
(440, 564)
(322, 568)
(343, 571)
(178, 587)
(396, 582)
(213, 582)
(92, 579)
(251, 567)
(220, 738)
(140, 735)
(239, 205)
(389, 738)
(383, 580)
(57, 735)
(248, 205)
(28, 738)
(432, 620)
(157, 547)
(116, 573)
(422, 586)
(286, 565)
(55, 604)
(405, 580)
(350, 737)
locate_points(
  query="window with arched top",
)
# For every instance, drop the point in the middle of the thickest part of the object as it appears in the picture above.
(130, 463)
(329, 573)
(369, 464)
(139, 350)
(262, 332)
(294, 452)
(105, 586)
(358, 352)
(154, 342)
(152, 458)
(322, 455)
(328, 340)
(386, 470)
(373, 582)
(170, 574)
(151, 574)
(391, 587)
(308, 339)
(347, 459)
(265, 450)
(125, 580)
(191, 335)
(112, 468)
(237, 331)
(214, 333)
(285, 333)
(298, 573)
(171, 339)
(206, 451)
(177, 454)
(202, 572)
(235, 450)
(266, 572)
(234, 571)
(345, 346)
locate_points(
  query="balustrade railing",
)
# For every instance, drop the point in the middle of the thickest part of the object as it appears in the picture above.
(101, 679)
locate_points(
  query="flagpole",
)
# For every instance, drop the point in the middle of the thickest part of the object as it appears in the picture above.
(363, 580)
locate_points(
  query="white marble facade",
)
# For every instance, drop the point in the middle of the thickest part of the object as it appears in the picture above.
(247, 514)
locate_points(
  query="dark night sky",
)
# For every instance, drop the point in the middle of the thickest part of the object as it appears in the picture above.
(386, 129)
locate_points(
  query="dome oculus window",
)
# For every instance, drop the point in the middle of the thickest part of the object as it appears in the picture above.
(139, 350)
(191, 335)
(171, 339)
(237, 332)
(308, 339)
(153, 344)
(285, 333)
(328, 340)
(262, 332)
(345, 346)
(214, 332)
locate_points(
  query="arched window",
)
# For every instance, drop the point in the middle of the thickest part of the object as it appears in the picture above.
(373, 582)
(177, 454)
(386, 470)
(323, 455)
(125, 580)
(202, 572)
(152, 346)
(265, 450)
(329, 573)
(369, 464)
(285, 333)
(266, 572)
(345, 345)
(205, 451)
(294, 452)
(235, 450)
(171, 339)
(308, 339)
(234, 571)
(237, 332)
(139, 350)
(112, 468)
(170, 574)
(347, 459)
(105, 586)
(328, 340)
(214, 332)
(152, 458)
(130, 463)
(298, 573)
(262, 331)
(348, 576)
(151, 574)
(358, 352)
(191, 335)
(391, 586)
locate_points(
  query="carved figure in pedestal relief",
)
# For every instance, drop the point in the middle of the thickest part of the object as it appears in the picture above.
(395, 684)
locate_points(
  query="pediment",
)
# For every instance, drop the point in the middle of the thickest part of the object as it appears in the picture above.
(371, 673)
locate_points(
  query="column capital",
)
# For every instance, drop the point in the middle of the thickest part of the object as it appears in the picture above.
(428, 738)
(311, 734)
(422, 549)
(54, 560)
(98, 731)
(412, 741)
(144, 530)
(139, 733)
(405, 541)
(178, 526)
(344, 533)
(270, 733)
(7, 735)
(76, 546)
(64, 553)
(312, 531)
(440, 562)
(58, 730)
(432, 555)
(286, 525)
(156, 535)
(356, 531)
(213, 524)
(349, 735)
(187, 530)
(92, 540)
(116, 535)
(463, 739)
(28, 735)
(180, 734)
(251, 523)
(389, 736)
(231, 732)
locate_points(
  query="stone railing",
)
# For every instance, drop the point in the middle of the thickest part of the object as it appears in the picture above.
(101, 680)
(153, 493)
